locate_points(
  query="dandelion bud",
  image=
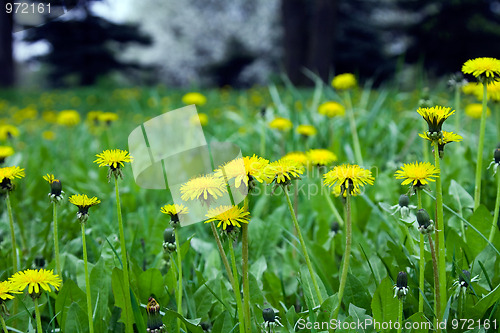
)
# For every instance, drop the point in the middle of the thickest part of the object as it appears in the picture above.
(404, 200)
(401, 287)
(155, 325)
(496, 155)
(268, 315)
(168, 235)
(464, 278)
(56, 188)
(424, 221)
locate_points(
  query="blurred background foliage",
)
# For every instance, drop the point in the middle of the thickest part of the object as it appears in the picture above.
(242, 42)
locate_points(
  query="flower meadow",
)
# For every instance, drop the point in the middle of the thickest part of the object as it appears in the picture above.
(369, 209)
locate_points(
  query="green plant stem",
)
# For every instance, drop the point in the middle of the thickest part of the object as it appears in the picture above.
(347, 254)
(440, 245)
(129, 321)
(304, 249)
(4, 326)
(479, 164)
(421, 278)
(237, 294)
(87, 280)
(437, 294)
(334, 210)
(400, 316)
(263, 139)
(244, 257)
(457, 108)
(354, 131)
(179, 278)
(460, 303)
(494, 225)
(12, 233)
(38, 319)
(56, 240)
(222, 254)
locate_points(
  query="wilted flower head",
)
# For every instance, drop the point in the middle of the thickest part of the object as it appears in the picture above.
(155, 324)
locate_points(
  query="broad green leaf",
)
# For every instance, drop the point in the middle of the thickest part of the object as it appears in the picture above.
(461, 196)
(150, 283)
(308, 287)
(424, 325)
(224, 323)
(76, 319)
(119, 292)
(384, 305)
(484, 303)
(70, 293)
(481, 220)
(355, 293)
(100, 282)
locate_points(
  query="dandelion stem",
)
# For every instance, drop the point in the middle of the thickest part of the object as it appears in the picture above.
(12, 233)
(222, 254)
(400, 316)
(421, 278)
(457, 108)
(129, 321)
(3, 325)
(437, 294)
(440, 245)
(179, 277)
(479, 163)
(354, 131)
(236, 288)
(56, 239)
(347, 254)
(494, 225)
(334, 210)
(87, 280)
(303, 245)
(244, 257)
(37, 315)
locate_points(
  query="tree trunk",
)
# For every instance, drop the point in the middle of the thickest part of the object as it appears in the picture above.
(294, 22)
(6, 56)
(322, 36)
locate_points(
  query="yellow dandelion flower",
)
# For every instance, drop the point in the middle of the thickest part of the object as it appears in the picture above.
(114, 158)
(493, 91)
(319, 157)
(194, 98)
(48, 135)
(331, 109)
(297, 157)
(83, 202)
(306, 130)
(234, 169)
(348, 179)
(49, 178)
(7, 291)
(472, 88)
(36, 280)
(281, 124)
(49, 117)
(417, 174)
(8, 132)
(11, 173)
(68, 118)
(283, 171)
(435, 116)
(486, 70)
(447, 137)
(344, 81)
(475, 110)
(93, 117)
(206, 188)
(255, 166)
(107, 117)
(228, 216)
(201, 117)
(5, 151)
(174, 210)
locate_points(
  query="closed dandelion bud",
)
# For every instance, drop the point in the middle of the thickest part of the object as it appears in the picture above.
(56, 188)
(424, 221)
(155, 324)
(464, 278)
(169, 240)
(401, 287)
(404, 200)
(268, 315)
(496, 155)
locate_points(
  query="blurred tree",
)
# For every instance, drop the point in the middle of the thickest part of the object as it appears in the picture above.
(446, 33)
(85, 47)
(331, 35)
(6, 57)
